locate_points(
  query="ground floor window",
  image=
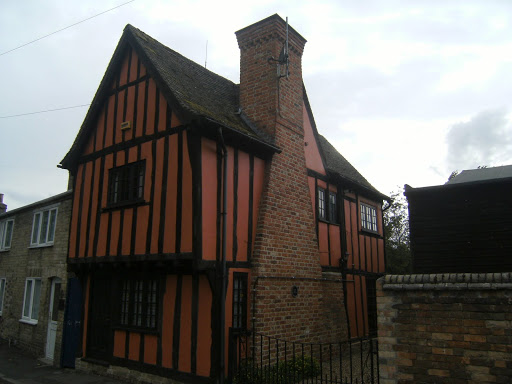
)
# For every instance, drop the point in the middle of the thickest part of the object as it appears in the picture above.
(239, 300)
(31, 300)
(139, 303)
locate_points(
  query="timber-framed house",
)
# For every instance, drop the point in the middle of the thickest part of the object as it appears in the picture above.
(202, 207)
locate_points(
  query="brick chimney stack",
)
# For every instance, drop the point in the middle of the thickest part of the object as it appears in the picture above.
(265, 97)
(3, 207)
(286, 257)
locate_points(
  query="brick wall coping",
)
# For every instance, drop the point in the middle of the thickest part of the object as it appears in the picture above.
(448, 281)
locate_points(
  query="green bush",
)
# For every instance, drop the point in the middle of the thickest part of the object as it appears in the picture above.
(290, 371)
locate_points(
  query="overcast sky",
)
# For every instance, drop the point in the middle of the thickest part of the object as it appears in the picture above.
(408, 91)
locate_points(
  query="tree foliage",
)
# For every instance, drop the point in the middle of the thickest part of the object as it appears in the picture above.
(396, 234)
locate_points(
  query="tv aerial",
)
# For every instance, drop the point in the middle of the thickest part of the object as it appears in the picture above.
(283, 62)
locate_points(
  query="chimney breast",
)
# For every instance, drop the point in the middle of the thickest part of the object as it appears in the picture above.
(265, 96)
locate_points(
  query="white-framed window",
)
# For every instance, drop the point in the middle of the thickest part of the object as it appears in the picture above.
(2, 294)
(368, 217)
(43, 227)
(31, 300)
(6, 227)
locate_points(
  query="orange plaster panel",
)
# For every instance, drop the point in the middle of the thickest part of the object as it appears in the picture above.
(168, 320)
(150, 118)
(85, 208)
(114, 233)
(186, 214)
(110, 121)
(127, 231)
(124, 71)
(100, 128)
(102, 237)
(204, 333)
(171, 198)
(128, 133)
(119, 116)
(323, 244)
(209, 197)
(175, 122)
(119, 343)
(157, 200)
(312, 193)
(142, 70)
(94, 206)
(382, 263)
(142, 229)
(313, 158)
(162, 113)
(150, 346)
(243, 206)
(147, 154)
(334, 236)
(133, 66)
(229, 229)
(139, 123)
(354, 230)
(184, 364)
(133, 353)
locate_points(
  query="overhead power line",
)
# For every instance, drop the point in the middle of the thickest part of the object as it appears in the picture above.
(69, 26)
(45, 111)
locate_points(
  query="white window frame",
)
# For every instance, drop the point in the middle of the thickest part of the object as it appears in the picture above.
(5, 241)
(38, 239)
(2, 294)
(29, 316)
(369, 218)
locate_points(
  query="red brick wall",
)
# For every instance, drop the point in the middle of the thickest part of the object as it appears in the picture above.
(445, 328)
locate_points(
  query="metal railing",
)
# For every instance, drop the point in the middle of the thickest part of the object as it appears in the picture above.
(258, 359)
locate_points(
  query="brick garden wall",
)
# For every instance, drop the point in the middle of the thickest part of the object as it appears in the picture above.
(445, 328)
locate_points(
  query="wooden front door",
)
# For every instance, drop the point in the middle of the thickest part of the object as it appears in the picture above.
(100, 313)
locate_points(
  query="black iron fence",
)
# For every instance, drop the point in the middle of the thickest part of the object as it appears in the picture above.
(258, 359)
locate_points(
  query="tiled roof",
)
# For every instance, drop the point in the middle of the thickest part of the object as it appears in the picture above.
(197, 90)
(337, 164)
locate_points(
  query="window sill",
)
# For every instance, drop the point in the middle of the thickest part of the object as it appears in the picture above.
(127, 204)
(5, 250)
(328, 222)
(41, 246)
(29, 321)
(364, 230)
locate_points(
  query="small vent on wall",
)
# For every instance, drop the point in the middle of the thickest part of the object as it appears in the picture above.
(126, 125)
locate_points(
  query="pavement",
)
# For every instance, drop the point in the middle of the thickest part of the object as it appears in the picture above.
(18, 367)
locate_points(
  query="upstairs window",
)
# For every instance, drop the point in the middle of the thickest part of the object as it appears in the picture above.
(327, 206)
(239, 300)
(333, 208)
(6, 228)
(126, 184)
(321, 204)
(43, 227)
(139, 303)
(368, 218)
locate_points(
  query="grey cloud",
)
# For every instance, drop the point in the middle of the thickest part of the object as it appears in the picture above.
(483, 140)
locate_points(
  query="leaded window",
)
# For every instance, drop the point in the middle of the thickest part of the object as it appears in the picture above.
(368, 217)
(139, 303)
(239, 300)
(126, 183)
(321, 204)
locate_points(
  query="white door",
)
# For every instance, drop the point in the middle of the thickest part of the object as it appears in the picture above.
(52, 317)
